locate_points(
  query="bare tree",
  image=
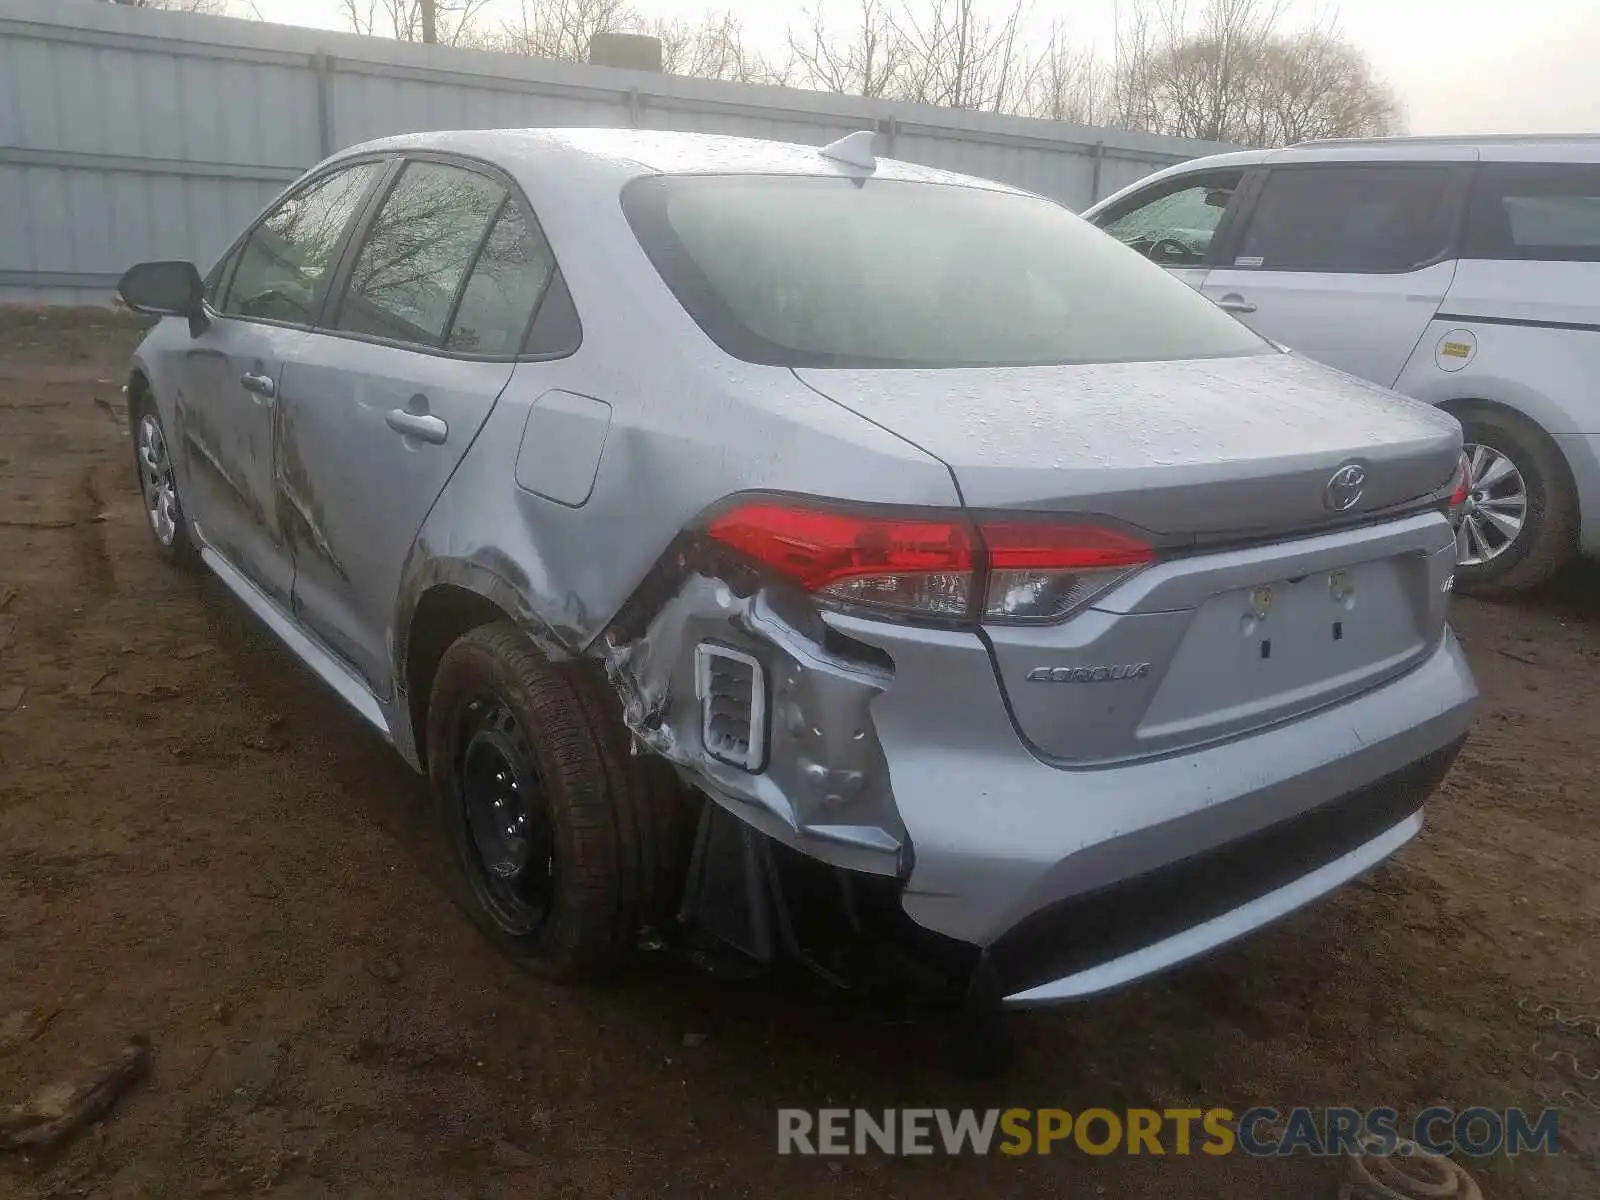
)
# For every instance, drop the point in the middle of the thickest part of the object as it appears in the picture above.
(1068, 84)
(1315, 85)
(562, 29)
(714, 49)
(1235, 74)
(451, 22)
(958, 57)
(866, 61)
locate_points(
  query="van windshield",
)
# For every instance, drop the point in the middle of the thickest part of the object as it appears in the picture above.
(806, 271)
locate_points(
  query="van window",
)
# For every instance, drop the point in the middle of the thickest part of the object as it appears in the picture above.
(1544, 212)
(1353, 219)
(1174, 225)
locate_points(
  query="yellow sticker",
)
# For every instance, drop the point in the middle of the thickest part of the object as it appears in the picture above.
(1456, 350)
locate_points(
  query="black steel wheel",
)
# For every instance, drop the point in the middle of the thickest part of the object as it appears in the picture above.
(507, 818)
(555, 831)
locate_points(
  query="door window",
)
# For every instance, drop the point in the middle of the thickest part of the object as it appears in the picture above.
(1176, 228)
(1535, 211)
(1356, 219)
(285, 265)
(505, 286)
(410, 270)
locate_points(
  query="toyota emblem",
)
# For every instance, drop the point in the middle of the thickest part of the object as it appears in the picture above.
(1345, 488)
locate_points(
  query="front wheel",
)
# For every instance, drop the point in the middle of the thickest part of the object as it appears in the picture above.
(1519, 526)
(158, 487)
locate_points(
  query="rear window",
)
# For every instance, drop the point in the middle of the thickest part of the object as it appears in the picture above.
(1535, 211)
(826, 272)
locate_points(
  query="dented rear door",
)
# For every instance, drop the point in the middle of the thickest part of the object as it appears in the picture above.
(357, 479)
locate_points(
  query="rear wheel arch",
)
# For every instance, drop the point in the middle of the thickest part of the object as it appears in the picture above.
(443, 613)
(1465, 407)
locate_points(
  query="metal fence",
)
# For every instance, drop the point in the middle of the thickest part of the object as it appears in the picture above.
(129, 134)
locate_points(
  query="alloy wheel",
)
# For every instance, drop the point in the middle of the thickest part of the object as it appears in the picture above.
(1496, 509)
(156, 483)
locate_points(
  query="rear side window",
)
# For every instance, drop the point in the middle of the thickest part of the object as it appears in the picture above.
(286, 263)
(416, 255)
(1542, 212)
(505, 286)
(822, 271)
(1355, 219)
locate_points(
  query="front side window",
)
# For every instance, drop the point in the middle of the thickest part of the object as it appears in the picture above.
(505, 286)
(411, 266)
(1176, 228)
(284, 267)
(1544, 212)
(814, 271)
(1355, 219)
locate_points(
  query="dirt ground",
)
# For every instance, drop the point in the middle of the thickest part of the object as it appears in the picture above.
(199, 844)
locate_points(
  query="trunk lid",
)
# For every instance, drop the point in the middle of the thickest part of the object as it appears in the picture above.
(1225, 447)
(1267, 602)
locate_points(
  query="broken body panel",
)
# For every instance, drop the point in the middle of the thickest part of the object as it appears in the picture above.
(954, 759)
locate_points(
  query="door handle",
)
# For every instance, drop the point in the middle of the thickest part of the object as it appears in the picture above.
(1235, 303)
(425, 427)
(261, 385)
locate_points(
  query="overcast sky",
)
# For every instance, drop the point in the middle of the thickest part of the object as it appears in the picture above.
(1460, 66)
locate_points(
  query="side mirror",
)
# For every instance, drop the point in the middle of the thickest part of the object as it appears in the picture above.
(169, 289)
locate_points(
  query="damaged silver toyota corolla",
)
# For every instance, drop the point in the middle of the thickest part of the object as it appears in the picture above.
(789, 555)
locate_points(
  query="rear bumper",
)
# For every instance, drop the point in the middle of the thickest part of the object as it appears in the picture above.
(1116, 934)
(1080, 880)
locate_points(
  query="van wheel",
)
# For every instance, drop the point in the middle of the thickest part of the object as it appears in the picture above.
(543, 819)
(1520, 525)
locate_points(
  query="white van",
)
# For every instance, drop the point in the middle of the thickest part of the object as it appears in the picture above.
(1464, 271)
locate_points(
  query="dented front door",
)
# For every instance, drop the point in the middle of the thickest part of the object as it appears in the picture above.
(227, 408)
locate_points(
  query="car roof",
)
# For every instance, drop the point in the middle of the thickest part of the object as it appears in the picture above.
(617, 155)
(1506, 147)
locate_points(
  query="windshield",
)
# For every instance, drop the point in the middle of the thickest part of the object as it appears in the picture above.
(833, 272)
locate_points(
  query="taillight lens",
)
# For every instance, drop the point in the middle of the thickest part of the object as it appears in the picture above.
(1006, 570)
(1039, 572)
(1460, 489)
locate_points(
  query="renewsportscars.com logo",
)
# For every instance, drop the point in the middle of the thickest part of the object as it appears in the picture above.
(1259, 1132)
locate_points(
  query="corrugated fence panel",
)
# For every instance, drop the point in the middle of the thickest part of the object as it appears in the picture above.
(129, 134)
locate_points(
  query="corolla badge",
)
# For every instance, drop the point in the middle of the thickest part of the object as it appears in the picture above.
(1098, 674)
(1344, 490)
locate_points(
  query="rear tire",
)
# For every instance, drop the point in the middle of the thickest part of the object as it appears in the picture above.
(553, 829)
(1548, 538)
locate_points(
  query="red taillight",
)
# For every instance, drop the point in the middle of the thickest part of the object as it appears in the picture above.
(1027, 546)
(1032, 570)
